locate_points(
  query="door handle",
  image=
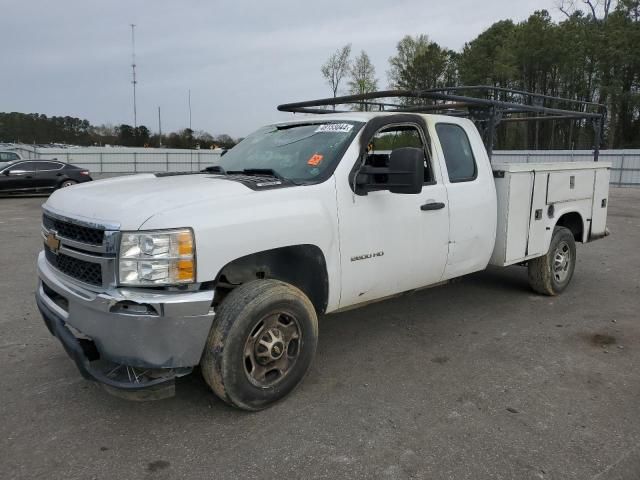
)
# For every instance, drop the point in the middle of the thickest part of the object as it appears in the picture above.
(432, 206)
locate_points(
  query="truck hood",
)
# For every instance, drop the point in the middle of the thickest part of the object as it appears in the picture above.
(129, 201)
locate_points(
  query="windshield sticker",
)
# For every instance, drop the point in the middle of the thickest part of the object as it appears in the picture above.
(315, 160)
(334, 128)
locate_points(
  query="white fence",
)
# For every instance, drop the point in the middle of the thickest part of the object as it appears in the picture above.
(125, 160)
(625, 164)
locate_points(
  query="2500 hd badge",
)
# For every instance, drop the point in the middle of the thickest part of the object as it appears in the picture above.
(367, 256)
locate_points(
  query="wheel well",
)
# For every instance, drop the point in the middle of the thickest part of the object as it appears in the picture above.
(572, 221)
(303, 266)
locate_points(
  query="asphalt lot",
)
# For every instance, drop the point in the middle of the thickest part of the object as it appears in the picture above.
(478, 379)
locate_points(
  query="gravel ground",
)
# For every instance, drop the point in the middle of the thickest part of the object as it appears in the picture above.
(475, 380)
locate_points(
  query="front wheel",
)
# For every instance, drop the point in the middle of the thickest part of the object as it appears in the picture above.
(551, 273)
(261, 345)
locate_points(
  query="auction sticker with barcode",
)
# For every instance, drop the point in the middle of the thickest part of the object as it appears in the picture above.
(335, 128)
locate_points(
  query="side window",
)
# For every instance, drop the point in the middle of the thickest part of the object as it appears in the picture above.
(397, 136)
(49, 166)
(461, 165)
(24, 167)
(8, 156)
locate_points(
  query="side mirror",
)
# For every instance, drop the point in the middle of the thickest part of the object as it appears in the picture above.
(405, 173)
(6, 172)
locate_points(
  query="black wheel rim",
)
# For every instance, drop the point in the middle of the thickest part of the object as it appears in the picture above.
(272, 349)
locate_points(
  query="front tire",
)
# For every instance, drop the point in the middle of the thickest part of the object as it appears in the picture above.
(261, 345)
(551, 273)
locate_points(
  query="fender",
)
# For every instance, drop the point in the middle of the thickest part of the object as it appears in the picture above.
(264, 220)
(303, 266)
(561, 212)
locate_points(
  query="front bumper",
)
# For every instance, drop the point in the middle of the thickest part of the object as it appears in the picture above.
(150, 330)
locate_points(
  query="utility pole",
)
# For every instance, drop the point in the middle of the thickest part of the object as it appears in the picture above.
(189, 109)
(133, 70)
(159, 129)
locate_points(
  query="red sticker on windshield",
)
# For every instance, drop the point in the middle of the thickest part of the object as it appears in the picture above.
(315, 160)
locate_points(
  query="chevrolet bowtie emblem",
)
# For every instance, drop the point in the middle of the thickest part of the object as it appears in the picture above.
(53, 242)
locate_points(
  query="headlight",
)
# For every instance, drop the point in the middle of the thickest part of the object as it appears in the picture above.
(157, 258)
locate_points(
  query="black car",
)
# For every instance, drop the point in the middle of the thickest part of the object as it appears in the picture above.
(35, 176)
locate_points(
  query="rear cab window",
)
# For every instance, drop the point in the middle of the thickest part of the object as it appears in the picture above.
(458, 154)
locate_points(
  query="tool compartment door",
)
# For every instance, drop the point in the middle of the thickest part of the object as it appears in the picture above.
(539, 217)
(600, 204)
(514, 192)
(565, 186)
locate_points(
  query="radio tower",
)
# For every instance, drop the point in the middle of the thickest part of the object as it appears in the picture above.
(133, 70)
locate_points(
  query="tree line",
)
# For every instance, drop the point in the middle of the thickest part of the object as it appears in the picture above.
(591, 55)
(35, 128)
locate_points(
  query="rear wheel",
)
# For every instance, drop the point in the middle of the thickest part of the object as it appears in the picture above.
(551, 273)
(261, 344)
(67, 183)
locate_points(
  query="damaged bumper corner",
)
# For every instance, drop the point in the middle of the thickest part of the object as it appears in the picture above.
(135, 343)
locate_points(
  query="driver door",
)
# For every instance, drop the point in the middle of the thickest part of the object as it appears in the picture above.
(18, 177)
(390, 242)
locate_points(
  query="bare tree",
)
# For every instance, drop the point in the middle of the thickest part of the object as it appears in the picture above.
(362, 77)
(595, 5)
(336, 67)
(568, 7)
(606, 4)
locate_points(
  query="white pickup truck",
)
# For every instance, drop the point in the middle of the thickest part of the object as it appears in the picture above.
(144, 277)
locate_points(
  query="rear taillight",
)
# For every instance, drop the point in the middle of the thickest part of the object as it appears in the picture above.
(84, 172)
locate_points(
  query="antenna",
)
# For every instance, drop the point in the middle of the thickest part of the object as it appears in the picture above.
(133, 70)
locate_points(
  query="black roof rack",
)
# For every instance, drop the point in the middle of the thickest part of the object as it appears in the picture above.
(487, 106)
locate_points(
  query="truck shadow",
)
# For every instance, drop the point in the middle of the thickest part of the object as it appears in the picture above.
(26, 195)
(427, 322)
(510, 279)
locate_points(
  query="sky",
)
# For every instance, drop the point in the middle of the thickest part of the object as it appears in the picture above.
(240, 59)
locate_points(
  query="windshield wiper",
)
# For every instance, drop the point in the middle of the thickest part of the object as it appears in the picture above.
(296, 125)
(270, 172)
(214, 169)
(263, 171)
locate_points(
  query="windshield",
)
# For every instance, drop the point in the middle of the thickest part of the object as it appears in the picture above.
(297, 152)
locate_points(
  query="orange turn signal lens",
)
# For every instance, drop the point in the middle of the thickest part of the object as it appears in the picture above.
(185, 244)
(186, 271)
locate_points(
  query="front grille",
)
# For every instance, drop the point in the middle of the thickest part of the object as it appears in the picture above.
(86, 272)
(88, 235)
